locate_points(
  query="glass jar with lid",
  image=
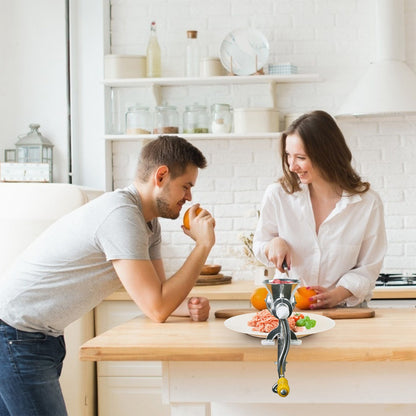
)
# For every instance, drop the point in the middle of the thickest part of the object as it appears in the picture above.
(195, 119)
(221, 118)
(166, 120)
(138, 120)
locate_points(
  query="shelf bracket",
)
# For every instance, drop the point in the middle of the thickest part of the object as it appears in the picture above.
(156, 94)
(273, 93)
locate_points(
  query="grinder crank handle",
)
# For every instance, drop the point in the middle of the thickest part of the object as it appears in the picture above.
(281, 387)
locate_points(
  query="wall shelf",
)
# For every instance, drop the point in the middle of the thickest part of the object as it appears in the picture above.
(156, 85)
(221, 80)
(201, 136)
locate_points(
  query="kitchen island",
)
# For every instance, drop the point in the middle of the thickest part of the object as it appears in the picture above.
(367, 365)
(240, 290)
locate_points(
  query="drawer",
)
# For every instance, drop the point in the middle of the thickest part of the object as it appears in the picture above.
(131, 396)
(129, 368)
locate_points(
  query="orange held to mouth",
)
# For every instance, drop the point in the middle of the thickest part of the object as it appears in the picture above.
(302, 296)
(258, 298)
(186, 217)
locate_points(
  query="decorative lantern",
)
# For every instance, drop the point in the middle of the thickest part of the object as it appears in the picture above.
(35, 148)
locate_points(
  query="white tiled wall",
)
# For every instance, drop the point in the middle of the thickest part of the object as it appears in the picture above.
(334, 38)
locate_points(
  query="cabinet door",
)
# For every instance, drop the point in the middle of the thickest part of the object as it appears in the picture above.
(131, 396)
(111, 313)
(108, 315)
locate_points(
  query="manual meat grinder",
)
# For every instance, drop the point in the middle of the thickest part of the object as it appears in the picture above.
(280, 303)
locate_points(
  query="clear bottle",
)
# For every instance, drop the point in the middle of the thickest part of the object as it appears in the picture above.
(192, 54)
(153, 56)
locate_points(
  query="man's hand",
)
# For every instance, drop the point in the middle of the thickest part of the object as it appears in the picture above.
(198, 308)
(201, 227)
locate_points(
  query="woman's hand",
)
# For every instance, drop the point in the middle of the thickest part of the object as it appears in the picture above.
(328, 298)
(198, 308)
(276, 251)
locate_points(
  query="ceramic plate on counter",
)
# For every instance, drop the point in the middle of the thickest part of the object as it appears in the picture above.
(239, 323)
(244, 46)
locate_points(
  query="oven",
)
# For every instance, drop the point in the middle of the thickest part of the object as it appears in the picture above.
(394, 290)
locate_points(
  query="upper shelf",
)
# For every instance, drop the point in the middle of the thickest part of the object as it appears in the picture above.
(222, 80)
(201, 136)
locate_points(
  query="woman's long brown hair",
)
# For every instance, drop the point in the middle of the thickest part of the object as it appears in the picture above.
(328, 151)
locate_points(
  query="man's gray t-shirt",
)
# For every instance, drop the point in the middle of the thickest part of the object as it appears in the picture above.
(67, 270)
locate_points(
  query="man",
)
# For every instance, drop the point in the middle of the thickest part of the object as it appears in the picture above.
(113, 240)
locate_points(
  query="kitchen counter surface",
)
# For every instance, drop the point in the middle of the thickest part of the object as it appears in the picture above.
(242, 289)
(390, 335)
(364, 366)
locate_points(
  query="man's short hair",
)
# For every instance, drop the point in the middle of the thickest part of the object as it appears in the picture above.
(172, 151)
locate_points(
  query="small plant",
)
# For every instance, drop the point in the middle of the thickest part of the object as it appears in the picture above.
(248, 249)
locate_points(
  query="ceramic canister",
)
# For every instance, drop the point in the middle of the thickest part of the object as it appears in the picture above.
(124, 66)
(211, 66)
(256, 120)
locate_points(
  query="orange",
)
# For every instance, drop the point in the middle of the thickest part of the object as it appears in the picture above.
(186, 217)
(302, 296)
(258, 298)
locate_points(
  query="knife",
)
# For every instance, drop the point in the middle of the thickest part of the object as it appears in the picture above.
(285, 268)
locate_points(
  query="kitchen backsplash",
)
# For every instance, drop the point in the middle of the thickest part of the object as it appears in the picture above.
(332, 38)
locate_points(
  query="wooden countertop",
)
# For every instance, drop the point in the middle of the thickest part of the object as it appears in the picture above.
(390, 335)
(242, 289)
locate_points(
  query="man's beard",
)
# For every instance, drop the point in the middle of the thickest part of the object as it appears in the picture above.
(163, 207)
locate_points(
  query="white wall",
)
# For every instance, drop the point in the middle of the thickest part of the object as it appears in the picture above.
(89, 37)
(33, 75)
(334, 38)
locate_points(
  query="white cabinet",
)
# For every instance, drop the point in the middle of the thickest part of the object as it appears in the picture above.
(124, 387)
(128, 388)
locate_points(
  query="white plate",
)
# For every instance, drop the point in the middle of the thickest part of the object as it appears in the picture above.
(244, 45)
(239, 323)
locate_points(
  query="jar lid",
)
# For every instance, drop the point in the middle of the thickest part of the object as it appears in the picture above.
(165, 107)
(220, 106)
(196, 107)
(138, 107)
(192, 34)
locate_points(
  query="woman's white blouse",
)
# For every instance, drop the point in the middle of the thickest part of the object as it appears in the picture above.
(348, 250)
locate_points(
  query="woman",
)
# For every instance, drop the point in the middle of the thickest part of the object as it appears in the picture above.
(321, 218)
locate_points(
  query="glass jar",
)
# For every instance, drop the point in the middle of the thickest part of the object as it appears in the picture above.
(221, 118)
(138, 120)
(195, 119)
(166, 120)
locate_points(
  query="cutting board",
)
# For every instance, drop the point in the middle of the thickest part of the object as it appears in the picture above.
(210, 277)
(335, 313)
(223, 280)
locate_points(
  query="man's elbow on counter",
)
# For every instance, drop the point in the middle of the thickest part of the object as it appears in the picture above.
(158, 317)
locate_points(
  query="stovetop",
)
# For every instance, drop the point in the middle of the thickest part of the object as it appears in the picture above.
(396, 279)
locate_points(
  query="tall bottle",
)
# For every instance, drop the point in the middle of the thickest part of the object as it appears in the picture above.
(192, 54)
(153, 60)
